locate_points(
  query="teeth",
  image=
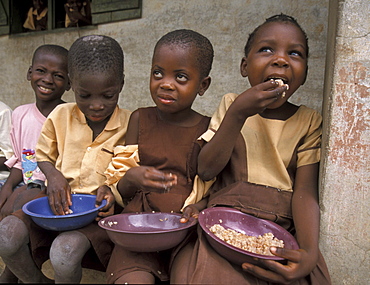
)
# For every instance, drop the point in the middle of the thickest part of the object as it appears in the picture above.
(44, 89)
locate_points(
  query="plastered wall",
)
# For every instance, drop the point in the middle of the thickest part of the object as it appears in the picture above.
(226, 23)
(345, 175)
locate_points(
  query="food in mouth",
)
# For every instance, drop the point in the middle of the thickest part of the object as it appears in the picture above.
(281, 83)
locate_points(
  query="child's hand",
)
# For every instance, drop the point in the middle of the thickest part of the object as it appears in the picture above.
(300, 264)
(73, 13)
(189, 211)
(59, 193)
(256, 99)
(104, 193)
(147, 177)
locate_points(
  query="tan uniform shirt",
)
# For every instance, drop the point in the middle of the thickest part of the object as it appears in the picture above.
(270, 143)
(66, 142)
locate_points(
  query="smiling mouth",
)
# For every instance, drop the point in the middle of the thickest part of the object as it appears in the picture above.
(45, 90)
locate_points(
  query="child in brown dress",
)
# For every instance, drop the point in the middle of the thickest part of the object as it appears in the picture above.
(162, 148)
(265, 152)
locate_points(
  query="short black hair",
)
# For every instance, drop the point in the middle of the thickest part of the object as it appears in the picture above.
(186, 39)
(52, 49)
(95, 54)
(276, 18)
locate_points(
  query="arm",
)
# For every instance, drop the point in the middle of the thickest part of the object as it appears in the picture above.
(216, 153)
(142, 176)
(193, 210)
(14, 178)
(75, 15)
(5, 142)
(306, 216)
(58, 189)
(3, 167)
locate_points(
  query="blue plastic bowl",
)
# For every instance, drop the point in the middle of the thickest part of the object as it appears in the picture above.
(83, 207)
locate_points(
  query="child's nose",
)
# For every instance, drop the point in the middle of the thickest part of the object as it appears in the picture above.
(96, 105)
(167, 85)
(48, 78)
(280, 60)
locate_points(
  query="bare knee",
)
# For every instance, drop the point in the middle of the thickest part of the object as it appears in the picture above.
(69, 248)
(13, 235)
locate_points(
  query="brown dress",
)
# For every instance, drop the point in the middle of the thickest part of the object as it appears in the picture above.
(172, 149)
(232, 190)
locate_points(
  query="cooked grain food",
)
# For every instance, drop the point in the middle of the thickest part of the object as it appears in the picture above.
(281, 83)
(258, 245)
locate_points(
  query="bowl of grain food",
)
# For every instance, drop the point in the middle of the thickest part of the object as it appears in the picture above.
(240, 237)
(146, 232)
(82, 212)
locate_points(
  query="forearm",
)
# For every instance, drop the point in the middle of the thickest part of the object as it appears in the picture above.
(3, 167)
(306, 215)
(126, 187)
(15, 177)
(48, 169)
(217, 152)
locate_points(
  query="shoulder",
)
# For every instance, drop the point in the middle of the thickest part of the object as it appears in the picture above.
(227, 100)
(64, 108)
(308, 114)
(124, 113)
(23, 109)
(229, 97)
(4, 107)
(62, 113)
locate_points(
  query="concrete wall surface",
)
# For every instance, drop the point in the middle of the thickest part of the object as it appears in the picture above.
(345, 171)
(226, 23)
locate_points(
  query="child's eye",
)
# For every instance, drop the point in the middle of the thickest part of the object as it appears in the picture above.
(265, 49)
(83, 96)
(39, 70)
(108, 96)
(157, 74)
(181, 78)
(60, 76)
(296, 53)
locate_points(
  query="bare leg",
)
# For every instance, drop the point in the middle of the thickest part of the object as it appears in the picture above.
(66, 255)
(24, 197)
(15, 252)
(8, 277)
(136, 277)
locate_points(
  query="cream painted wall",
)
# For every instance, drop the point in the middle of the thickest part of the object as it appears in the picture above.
(226, 23)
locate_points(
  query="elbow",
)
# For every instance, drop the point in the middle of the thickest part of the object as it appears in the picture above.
(205, 174)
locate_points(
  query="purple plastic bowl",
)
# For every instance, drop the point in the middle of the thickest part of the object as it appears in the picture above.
(83, 207)
(146, 232)
(234, 219)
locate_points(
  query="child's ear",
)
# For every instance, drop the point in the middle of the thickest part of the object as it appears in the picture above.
(204, 85)
(123, 82)
(68, 85)
(29, 72)
(305, 77)
(243, 67)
